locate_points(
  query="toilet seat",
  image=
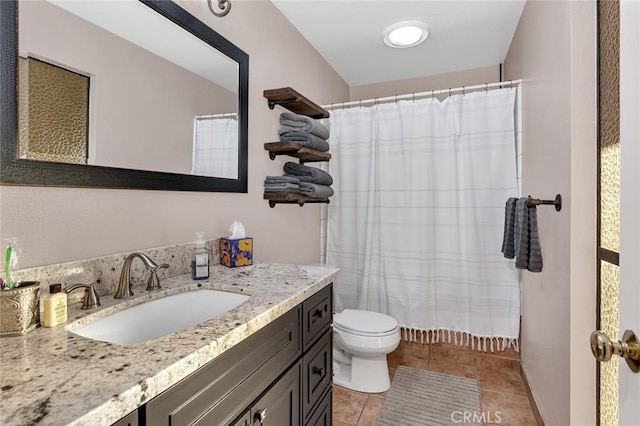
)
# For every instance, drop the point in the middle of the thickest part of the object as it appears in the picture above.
(365, 323)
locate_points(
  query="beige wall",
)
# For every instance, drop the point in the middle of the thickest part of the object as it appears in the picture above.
(423, 84)
(61, 224)
(140, 102)
(558, 305)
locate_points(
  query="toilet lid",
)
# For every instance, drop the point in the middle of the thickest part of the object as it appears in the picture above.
(364, 321)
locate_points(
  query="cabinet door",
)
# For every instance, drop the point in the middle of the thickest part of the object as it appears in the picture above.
(322, 416)
(219, 391)
(280, 405)
(245, 420)
(130, 419)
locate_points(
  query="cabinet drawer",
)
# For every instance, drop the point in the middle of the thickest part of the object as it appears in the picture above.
(322, 415)
(317, 313)
(230, 382)
(316, 373)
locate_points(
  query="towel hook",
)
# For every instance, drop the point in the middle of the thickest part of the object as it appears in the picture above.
(557, 202)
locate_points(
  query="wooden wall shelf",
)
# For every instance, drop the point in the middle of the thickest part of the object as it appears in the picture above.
(293, 149)
(294, 102)
(288, 198)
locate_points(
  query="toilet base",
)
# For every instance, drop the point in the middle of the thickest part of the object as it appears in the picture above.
(365, 374)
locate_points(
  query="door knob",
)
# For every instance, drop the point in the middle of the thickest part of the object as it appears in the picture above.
(628, 348)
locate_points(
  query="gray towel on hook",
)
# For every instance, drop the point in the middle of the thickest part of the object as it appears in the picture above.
(509, 228)
(315, 191)
(521, 233)
(306, 124)
(307, 174)
(535, 251)
(303, 138)
(528, 253)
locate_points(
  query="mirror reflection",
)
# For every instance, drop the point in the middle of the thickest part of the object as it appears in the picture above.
(116, 84)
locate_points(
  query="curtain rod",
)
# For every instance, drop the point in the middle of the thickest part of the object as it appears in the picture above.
(214, 116)
(432, 93)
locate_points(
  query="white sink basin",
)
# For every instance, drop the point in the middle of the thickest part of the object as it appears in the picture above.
(160, 317)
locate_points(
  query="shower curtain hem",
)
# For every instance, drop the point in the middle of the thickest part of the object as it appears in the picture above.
(459, 338)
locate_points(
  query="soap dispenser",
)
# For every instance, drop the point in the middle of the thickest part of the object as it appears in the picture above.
(200, 259)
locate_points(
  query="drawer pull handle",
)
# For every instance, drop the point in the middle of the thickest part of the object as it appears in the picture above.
(260, 415)
(317, 370)
(319, 313)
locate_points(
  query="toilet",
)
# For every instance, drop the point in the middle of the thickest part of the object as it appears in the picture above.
(361, 342)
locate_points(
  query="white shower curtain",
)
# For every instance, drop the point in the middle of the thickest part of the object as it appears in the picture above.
(215, 147)
(416, 222)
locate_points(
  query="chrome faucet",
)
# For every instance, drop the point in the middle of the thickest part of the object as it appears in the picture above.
(124, 286)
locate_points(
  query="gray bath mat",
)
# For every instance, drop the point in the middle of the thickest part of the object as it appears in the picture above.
(420, 397)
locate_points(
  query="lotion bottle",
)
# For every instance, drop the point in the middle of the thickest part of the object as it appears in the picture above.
(200, 259)
(55, 306)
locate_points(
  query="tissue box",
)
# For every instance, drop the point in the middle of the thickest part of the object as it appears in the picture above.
(236, 251)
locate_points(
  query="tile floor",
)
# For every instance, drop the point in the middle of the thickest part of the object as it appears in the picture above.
(501, 387)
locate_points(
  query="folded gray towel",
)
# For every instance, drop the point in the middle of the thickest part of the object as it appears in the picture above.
(281, 186)
(528, 252)
(315, 191)
(509, 228)
(307, 174)
(521, 234)
(281, 191)
(306, 124)
(281, 179)
(303, 138)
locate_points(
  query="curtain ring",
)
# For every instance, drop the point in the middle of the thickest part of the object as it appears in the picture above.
(343, 106)
(360, 103)
(433, 94)
(463, 92)
(449, 91)
(396, 98)
(376, 101)
(486, 87)
(414, 96)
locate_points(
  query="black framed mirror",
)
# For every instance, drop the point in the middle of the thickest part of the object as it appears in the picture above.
(19, 166)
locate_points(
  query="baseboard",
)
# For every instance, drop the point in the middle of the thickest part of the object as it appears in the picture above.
(532, 400)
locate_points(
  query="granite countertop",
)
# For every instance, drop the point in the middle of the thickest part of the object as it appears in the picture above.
(54, 377)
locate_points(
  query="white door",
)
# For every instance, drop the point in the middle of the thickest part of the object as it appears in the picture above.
(619, 379)
(629, 384)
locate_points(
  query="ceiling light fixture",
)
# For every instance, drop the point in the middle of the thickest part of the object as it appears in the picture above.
(405, 34)
(223, 5)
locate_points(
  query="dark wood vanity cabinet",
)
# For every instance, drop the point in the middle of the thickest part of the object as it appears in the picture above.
(279, 376)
